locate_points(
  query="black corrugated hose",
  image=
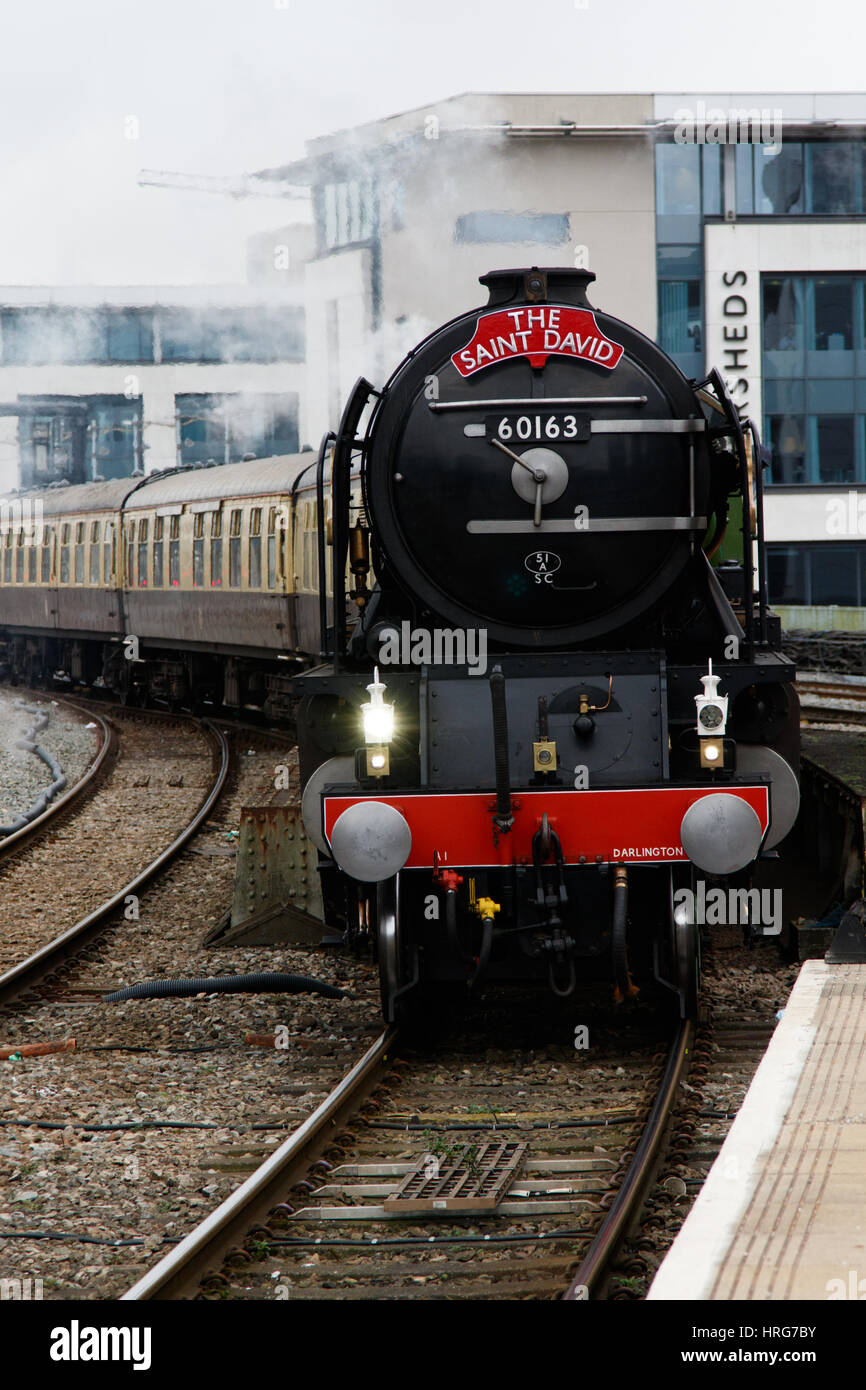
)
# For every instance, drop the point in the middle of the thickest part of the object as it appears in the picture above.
(269, 982)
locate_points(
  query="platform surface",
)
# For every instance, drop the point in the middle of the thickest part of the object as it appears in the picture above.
(782, 1214)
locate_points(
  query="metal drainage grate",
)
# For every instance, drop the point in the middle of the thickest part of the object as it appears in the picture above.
(473, 1177)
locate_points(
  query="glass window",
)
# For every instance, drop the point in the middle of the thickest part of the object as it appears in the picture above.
(786, 574)
(272, 547)
(345, 213)
(216, 551)
(114, 432)
(546, 228)
(680, 316)
(31, 564)
(255, 567)
(94, 552)
(235, 551)
(745, 176)
(130, 554)
(779, 179)
(79, 552)
(834, 185)
(786, 439)
(142, 553)
(107, 549)
(834, 574)
(783, 314)
(64, 553)
(158, 530)
(46, 556)
(198, 550)
(835, 449)
(19, 560)
(833, 300)
(129, 335)
(226, 428)
(678, 179)
(174, 552)
(45, 335)
(711, 179)
(7, 562)
(680, 262)
(330, 215)
(253, 334)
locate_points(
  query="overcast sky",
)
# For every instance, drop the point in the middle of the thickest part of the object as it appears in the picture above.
(224, 86)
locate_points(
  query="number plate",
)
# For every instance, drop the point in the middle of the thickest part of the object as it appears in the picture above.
(539, 427)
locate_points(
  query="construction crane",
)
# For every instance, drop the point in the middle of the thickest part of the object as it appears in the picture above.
(232, 186)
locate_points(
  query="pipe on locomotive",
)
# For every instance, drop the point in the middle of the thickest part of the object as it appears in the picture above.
(503, 818)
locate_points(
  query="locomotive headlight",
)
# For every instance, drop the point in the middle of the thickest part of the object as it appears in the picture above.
(378, 716)
(712, 752)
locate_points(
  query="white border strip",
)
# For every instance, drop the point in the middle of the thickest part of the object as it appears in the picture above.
(691, 1266)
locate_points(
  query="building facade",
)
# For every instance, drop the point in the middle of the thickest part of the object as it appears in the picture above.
(108, 382)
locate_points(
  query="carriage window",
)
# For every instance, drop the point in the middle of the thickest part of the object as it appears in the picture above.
(174, 552)
(94, 552)
(158, 526)
(64, 553)
(19, 559)
(107, 547)
(46, 556)
(272, 547)
(31, 564)
(142, 553)
(7, 558)
(79, 552)
(130, 553)
(198, 550)
(256, 548)
(216, 550)
(235, 551)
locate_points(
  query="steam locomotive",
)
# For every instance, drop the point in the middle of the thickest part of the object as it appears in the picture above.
(550, 719)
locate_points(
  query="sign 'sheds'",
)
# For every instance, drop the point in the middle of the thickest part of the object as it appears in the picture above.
(536, 333)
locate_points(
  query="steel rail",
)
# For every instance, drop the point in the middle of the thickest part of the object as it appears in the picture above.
(203, 1249)
(626, 1204)
(16, 838)
(53, 952)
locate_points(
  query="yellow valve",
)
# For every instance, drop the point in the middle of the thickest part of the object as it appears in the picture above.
(486, 907)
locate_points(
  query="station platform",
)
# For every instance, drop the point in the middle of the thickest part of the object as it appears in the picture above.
(782, 1214)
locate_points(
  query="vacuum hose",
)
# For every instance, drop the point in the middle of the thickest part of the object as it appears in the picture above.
(270, 982)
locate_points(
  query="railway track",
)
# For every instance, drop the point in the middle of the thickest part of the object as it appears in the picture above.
(831, 699)
(522, 1171)
(22, 974)
(64, 804)
(106, 1140)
